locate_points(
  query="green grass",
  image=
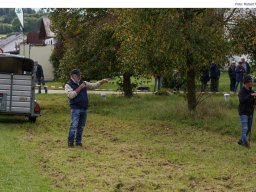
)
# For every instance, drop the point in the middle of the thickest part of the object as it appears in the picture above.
(224, 82)
(19, 167)
(2, 35)
(146, 143)
(112, 84)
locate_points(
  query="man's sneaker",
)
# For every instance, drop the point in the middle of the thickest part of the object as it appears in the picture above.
(71, 144)
(79, 144)
(241, 143)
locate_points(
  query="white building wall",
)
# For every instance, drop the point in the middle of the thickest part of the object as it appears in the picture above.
(42, 55)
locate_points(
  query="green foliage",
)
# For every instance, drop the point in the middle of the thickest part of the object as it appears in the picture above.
(55, 58)
(89, 43)
(9, 22)
(242, 33)
(110, 42)
(5, 28)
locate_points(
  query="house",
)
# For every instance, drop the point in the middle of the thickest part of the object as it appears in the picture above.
(45, 32)
(39, 47)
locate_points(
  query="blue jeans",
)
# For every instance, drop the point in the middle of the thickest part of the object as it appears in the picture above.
(246, 123)
(78, 120)
(237, 83)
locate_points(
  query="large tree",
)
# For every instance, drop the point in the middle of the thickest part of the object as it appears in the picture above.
(159, 40)
(142, 41)
(89, 40)
(242, 32)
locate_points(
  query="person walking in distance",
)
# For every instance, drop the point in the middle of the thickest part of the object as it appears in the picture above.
(40, 77)
(240, 73)
(246, 66)
(246, 107)
(76, 90)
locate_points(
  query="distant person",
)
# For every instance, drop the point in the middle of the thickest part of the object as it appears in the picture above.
(246, 107)
(240, 73)
(218, 79)
(232, 76)
(76, 90)
(177, 82)
(214, 76)
(204, 78)
(157, 82)
(40, 77)
(246, 66)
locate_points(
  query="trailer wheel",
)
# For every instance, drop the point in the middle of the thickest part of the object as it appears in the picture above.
(32, 119)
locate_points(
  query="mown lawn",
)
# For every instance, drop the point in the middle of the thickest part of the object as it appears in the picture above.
(19, 168)
(146, 143)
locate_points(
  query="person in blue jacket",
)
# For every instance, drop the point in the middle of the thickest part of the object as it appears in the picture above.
(40, 77)
(240, 73)
(246, 66)
(214, 76)
(232, 76)
(76, 90)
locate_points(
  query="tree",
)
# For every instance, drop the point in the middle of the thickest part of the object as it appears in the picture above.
(88, 40)
(142, 42)
(242, 33)
(160, 40)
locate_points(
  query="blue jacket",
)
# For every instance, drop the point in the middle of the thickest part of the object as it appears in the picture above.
(240, 72)
(214, 71)
(232, 73)
(81, 100)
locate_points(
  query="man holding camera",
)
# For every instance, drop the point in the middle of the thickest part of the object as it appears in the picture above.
(76, 90)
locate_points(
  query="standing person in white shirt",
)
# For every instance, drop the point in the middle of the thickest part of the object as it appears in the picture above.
(76, 90)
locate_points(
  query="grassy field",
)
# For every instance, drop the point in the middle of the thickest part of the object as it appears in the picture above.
(146, 143)
(112, 85)
(19, 168)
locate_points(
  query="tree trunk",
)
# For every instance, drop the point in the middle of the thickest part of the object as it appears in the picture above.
(127, 85)
(191, 89)
(191, 73)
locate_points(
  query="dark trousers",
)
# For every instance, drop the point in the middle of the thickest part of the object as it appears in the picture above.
(214, 85)
(40, 81)
(241, 85)
(232, 84)
(203, 86)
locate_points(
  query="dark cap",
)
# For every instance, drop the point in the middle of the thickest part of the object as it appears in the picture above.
(247, 79)
(75, 72)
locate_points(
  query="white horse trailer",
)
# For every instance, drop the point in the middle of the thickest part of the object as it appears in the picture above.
(17, 87)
